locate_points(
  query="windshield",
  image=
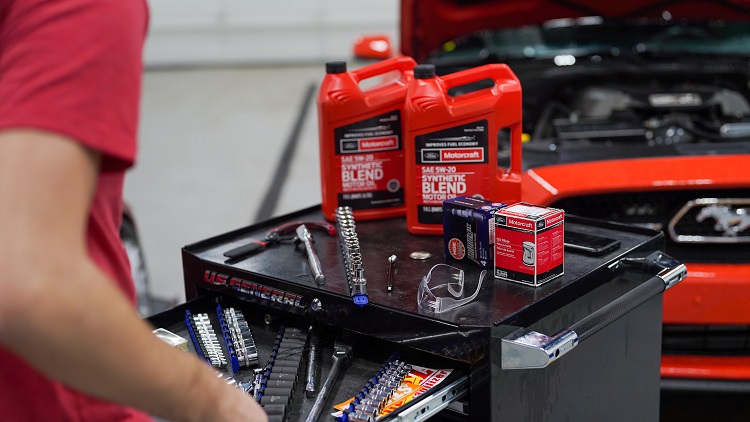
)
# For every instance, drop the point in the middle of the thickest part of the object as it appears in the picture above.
(595, 35)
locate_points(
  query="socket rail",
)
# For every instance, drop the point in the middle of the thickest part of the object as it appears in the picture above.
(373, 397)
(238, 337)
(204, 339)
(274, 385)
(352, 255)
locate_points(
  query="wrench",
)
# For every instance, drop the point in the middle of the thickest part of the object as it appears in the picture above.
(341, 356)
(312, 362)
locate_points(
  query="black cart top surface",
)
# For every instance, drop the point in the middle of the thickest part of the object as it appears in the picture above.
(499, 302)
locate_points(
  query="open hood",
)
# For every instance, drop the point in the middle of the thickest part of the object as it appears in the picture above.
(427, 24)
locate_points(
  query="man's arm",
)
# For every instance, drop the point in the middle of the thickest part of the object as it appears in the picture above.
(63, 315)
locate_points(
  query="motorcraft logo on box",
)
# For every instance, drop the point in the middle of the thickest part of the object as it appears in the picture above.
(524, 224)
(554, 219)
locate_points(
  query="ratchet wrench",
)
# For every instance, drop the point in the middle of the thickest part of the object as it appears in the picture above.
(304, 236)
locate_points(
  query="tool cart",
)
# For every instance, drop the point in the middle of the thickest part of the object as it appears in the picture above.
(584, 346)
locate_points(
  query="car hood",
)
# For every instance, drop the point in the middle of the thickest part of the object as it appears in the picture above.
(427, 24)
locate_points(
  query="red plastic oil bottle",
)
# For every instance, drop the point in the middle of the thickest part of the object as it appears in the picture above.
(451, 142)
(361, 138)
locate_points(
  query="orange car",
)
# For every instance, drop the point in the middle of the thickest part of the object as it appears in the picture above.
(636, 112)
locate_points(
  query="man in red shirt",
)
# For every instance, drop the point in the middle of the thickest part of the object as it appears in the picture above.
(71, 343)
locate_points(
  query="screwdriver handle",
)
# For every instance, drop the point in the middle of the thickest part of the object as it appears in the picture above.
(248, 249)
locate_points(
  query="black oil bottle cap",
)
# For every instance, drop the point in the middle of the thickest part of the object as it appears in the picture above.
(336, 66)
(424, 71)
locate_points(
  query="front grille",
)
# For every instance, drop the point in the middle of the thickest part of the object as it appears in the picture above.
(655, 209)
(722, 340)
(712, 220)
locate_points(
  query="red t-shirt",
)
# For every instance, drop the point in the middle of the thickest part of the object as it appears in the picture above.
(74, 67)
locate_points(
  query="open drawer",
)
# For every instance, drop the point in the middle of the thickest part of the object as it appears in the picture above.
(433, 384)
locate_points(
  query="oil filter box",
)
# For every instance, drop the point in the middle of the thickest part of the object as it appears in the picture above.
(529, 243)
(468, 230)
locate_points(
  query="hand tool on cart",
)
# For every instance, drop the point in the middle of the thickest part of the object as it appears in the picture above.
(391, 271)
(274, 236)
(312, 362)
(341, 356)
(304, 236)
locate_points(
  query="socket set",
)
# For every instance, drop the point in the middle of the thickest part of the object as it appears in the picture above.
(205, 340)
(239, 338)
(275, 384)
(352, 255)
(284, 383)
(373, 397)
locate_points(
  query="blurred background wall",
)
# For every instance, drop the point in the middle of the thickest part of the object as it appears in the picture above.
(226, 83)
(231, 32)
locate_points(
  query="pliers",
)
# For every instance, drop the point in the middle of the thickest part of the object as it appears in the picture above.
(273, 237)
